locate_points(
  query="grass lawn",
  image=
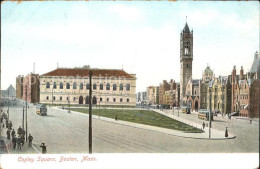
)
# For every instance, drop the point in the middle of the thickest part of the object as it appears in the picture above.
(143, 117)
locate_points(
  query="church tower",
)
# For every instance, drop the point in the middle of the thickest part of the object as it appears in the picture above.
(186, 57)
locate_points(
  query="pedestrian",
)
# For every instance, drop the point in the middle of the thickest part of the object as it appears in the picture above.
(14, 140)
(8, 134)
(226, 132)
(23, 139)
(30, 138)
(2, 119)
(10, 125)
(6, 123)
(203, 125)
(19, 142)
(250, 121)
(44, 149)
(13, 133)
(19, 130)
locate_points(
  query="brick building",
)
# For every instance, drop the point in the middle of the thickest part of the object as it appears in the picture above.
(31, 87)
(19, 87)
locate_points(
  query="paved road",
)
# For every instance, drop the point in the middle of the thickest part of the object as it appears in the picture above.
(68, 133)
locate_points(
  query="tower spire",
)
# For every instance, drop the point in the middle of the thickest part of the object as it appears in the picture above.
(186, 19)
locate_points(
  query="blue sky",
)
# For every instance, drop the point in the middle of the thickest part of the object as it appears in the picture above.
(142, 36)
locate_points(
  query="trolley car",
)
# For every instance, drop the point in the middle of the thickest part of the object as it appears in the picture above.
(41, 109)
(204, 114)
(185, 110)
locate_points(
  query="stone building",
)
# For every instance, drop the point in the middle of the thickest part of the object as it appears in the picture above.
(207, 76)
(219, 95)
(186, 58)
(19, 87)
(153, 95)
(31, 88)
(68, 85)
(142, 98)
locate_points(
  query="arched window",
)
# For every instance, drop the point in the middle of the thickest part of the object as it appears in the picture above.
(108, 86)
(47, 85)
(94, 86)
(67, 86)
(54, 85)
(128, 87)
(88, 86)
(114, 87)
(74, 85)
(81, 86)
(121, 86)
(101, 87)
(61, 85)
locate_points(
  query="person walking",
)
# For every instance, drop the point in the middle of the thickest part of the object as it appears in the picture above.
(30, 138)
(8, 132)
(14, 140)
(203, 125)
(13, 133)
(226, 132)
(23, 139)
(19, 131)
(19, 143)
(44, 149)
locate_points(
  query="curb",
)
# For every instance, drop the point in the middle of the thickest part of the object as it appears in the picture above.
(134, 126)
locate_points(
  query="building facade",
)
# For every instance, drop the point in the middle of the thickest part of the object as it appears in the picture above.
(71, 86)
(31, 88)
(19, 87)
(153, 95)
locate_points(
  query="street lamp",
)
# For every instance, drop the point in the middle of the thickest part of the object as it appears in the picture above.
(210, 93)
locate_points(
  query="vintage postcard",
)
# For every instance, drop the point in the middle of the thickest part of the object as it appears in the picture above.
(130, 84)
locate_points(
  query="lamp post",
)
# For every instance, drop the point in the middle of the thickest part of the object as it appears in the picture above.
(69, 102)
(8, 106)
(26, 111)
(90, 112)
(210, 93)
(52, 96)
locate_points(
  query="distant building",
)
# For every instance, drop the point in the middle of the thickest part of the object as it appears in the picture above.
(9, 92)
(71, 86)
(31, 88)
(142, 98)
(19, 87)
(153, 95)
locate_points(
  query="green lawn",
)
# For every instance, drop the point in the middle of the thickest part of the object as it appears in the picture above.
(143, 117)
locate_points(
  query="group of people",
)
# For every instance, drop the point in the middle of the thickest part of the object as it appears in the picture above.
(16, 141)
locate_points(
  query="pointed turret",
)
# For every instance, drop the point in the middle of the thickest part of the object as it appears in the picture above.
(186, 28)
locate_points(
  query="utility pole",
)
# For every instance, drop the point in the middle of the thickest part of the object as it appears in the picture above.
(210, 92)
(8, 105)
(90, 112)
(26, 111)
(23, 118)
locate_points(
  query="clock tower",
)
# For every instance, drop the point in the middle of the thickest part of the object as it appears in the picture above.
(186, 57)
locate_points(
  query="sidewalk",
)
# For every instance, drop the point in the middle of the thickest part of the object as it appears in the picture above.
(9, 146)
(215, 134)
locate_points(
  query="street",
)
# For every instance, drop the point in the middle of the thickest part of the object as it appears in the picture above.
(65, 132)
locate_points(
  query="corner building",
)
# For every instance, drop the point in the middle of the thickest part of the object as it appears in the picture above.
(71, 86)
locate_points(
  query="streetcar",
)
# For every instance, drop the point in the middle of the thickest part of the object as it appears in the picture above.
(204, 114)
(41, 109)
(185, 109)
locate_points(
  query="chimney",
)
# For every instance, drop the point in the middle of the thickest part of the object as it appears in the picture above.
(241, 77)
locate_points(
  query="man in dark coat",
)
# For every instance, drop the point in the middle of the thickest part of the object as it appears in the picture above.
(14, 140)
(19, 130)
(8, 132)
(44, 149)
(13, 133)
(30, 138)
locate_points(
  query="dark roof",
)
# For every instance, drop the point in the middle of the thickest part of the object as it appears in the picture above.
(85, 72)
(186, 28)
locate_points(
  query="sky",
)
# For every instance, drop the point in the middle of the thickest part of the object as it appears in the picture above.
(143, 38)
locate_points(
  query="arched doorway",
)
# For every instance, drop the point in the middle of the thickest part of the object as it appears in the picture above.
(196, 105)
(80, 100)
(87, 100)
(94, 100)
